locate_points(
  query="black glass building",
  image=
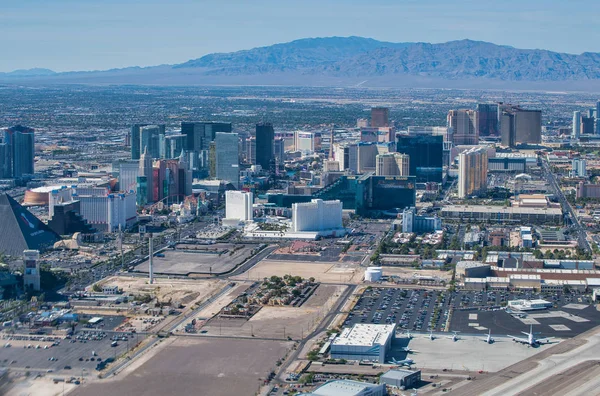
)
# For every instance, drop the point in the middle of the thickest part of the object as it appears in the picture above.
(426, 156)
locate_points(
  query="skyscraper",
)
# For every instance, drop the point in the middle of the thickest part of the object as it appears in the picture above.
(265, 135)
(227, 157)
(380, 117)
(528, 126)
(19, 151)
(472, 172)
(279, 149)
(135, 141)
(587, 125)
(576, 125)
(426, 156)
(5, 166)
(145, 180)
(524, 126)
(507, 129)
(173, 145)
(150, 140)
(251, 150)
(464, 126)
(487, 119)
(198, 138)
(392, 164)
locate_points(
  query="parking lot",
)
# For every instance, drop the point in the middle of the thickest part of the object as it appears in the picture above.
(474, 312)
(411, 309)
(479, 312)
(72, 356)
(187, 259)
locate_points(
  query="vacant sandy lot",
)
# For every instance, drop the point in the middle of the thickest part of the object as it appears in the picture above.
(176, 290)
(38, 387)
(280, 322)
(323, 272)
(197, 366)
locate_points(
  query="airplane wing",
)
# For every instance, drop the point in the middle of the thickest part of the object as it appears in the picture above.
(544, 340)
(520, 339)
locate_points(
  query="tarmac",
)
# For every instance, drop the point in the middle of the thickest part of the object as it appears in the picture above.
(468, 353)
(569, 368)
(563, 322)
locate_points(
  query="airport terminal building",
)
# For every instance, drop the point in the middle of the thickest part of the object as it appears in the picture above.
(364, 342)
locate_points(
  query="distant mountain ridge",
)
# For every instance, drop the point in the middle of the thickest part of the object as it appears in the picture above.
(29, 72)
(350, 61)
(361, 57)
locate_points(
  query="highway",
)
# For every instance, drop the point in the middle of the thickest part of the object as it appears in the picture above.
(567, 208)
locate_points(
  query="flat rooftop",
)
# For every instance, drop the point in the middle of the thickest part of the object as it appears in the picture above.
(501, 209)
(365, 334)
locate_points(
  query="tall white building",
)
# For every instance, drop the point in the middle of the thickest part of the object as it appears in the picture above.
(317, 215)
(576, 125)
(472, 171)
(227, 157)
(128, 174)
(579, 167)
(238, 205)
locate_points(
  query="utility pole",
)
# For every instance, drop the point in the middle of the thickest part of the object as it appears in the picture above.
(150, 254)
(121, 245)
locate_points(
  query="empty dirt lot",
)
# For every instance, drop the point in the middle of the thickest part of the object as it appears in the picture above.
(333, 272)
(197, 366)
(282, 321)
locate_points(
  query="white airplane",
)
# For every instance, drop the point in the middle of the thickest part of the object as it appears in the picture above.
(404, 362)
(407, 350)
(7, 345)
(530, 340)
(454, 336)
(489, 338)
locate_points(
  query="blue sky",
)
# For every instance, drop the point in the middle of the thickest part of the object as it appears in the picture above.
(68, 35)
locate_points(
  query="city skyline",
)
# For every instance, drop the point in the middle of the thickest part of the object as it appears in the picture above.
(72, 36)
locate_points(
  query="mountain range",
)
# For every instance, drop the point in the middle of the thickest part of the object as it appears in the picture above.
(351, 61)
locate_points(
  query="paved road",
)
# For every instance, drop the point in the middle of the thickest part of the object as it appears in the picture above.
(321, 327)
(567, 208)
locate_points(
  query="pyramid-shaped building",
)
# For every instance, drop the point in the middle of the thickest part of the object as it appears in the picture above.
(20, 230)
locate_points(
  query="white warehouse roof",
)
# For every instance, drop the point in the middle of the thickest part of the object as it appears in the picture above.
(363, 334)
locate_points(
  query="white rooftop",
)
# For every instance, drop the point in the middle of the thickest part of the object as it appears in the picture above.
(470, 264)
(342, 388)
(365, 334)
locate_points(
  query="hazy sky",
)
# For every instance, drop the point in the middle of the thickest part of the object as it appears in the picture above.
(99, 34)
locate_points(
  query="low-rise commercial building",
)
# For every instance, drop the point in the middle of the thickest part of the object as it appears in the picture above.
(500, 214)
(348, 388)
(364, 342)
(399, 378)
(472, 269)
